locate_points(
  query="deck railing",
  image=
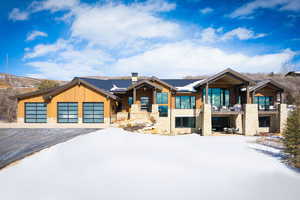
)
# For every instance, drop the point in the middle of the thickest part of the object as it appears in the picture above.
(234, 108)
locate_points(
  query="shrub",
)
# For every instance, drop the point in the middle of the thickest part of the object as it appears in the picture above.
(292, 137)
(45, 84)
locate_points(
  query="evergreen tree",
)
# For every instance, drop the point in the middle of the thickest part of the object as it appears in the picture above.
(292, 137)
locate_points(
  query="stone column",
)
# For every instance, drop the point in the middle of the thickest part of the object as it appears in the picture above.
(239, 123)
(154, 112)
(250, 119)
(283, 114)
(206, 120)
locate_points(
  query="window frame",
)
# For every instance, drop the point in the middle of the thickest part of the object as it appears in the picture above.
(266, 123)
(159, 111)
(83, 113)
(159, 100)
(36, 114)
(224, 96)
(57, 113)
(182, 122)
(190, 102)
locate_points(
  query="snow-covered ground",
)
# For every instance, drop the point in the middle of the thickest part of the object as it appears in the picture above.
(113, 164)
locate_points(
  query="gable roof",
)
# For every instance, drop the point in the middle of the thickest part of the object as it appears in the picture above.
(35, 93)
(223, 73)
(74, 82)
(264, 83)
(147, 82)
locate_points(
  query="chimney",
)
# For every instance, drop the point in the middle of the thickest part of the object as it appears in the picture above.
(134, 77)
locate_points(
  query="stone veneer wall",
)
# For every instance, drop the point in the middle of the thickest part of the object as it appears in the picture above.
(185, 113)
(206, 120)
(250, 119)
(283, 114)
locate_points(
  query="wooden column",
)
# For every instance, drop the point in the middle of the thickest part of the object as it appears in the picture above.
(253, 96)
(134, 95)
(206, 93)
(247, 95)
(154, 96)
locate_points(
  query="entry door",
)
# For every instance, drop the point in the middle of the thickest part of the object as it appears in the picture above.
(145, 103)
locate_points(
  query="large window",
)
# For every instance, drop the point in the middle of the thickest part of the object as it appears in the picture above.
(217, 96)
(162, 98)
(163, 111)
(264, 121)
(93, 112)
(185, 102)
(263, 102)
(185, 122)
(67, 112)
(35, 112)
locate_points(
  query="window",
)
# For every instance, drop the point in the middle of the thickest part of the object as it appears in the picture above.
(163, 111)
(263, 102)
(217, 96)
(185, 102)
(130, 101)
(162, 98)
(93, 112)
(264, 121)
(185, 122)
(35, 112)
(67, 112)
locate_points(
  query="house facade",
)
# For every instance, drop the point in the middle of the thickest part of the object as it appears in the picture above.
(227, 101)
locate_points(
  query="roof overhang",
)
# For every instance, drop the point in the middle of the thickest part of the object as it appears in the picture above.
(78, 81)
(227, 72)
(48, 94)
(273, 84)
(143, 83)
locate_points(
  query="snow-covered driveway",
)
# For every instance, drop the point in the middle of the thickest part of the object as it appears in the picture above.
(113, 164)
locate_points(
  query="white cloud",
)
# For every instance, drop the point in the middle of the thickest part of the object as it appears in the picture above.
(34, 34)
(112, 25)
(17, 15)
(251, 7)
(211, 35)
(116, 39)
(242, 34)
(190, 58)
(53, 5)
(45, 49)
(206, 10)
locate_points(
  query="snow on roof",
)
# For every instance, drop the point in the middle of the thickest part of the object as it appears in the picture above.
(189, 87)
(116, 88)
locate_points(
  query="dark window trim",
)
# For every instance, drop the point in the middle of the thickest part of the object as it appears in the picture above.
(68, 122)
(46, 115)
(267, 122)
(190, 102)
(160, 112)
(157, 101)
(100, 102)
(222, 92)
(181, 122)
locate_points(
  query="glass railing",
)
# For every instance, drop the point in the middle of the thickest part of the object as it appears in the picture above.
(234, 108)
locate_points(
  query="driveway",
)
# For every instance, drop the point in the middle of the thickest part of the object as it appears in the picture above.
(16, 144)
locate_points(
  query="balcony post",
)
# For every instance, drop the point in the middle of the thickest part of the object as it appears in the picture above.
(134, 95)
(206, 93)
(253, 96)
(154, 96)
(247, 95)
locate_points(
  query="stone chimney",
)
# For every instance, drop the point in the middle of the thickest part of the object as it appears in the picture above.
(134, 77)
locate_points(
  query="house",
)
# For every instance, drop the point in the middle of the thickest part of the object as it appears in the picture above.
(227, 100)
(293, 74)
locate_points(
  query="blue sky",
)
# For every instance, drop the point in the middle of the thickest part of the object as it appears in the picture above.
(61, 39)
